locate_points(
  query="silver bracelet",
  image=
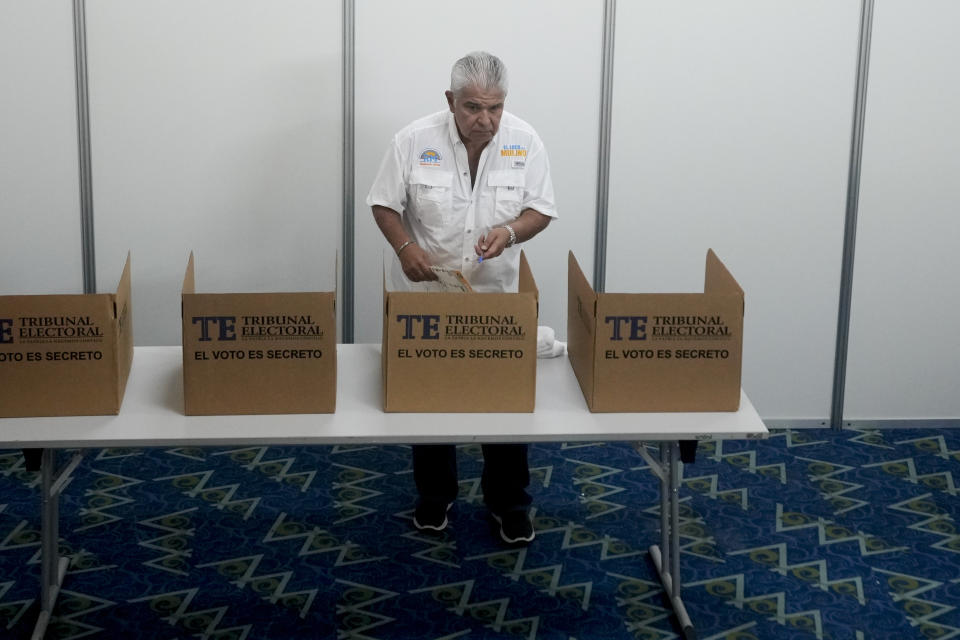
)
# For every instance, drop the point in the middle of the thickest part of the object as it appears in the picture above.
(513, 235)
(404, 246)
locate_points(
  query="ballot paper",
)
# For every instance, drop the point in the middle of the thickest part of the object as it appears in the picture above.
(451, 280)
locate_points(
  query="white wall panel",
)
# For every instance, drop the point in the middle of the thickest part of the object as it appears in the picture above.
(904, 358)
(553, 54)
(39, 175)
(216, 128)
(731, 130)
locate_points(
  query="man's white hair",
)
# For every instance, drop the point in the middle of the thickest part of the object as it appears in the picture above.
(478, 69)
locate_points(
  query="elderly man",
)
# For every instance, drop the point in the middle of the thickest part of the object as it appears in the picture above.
(462, 188)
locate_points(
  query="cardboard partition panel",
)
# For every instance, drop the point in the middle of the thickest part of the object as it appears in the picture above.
(65, 355)
(657, 352)
(258, 353)
(461, 352)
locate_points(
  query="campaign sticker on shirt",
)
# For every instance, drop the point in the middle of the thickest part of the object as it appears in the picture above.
(430, 158)
(517, 150)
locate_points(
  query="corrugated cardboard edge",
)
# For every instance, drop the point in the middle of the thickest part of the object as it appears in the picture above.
(336, 332)
(581, 327)
(336, 339)
(187, 289)
(123, 318)
(719, 281)
(333, 325)
(384, 360)
(718, 278)
(528, 285)
(188, 277)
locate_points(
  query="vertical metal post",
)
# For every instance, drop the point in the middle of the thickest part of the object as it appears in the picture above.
(49, 526)
(50, 564)
(349, 224)
(850, 226)
(603, 163)
(666, 556)
(664, 508)
(83, 140)
(52, 567)
(675, 519)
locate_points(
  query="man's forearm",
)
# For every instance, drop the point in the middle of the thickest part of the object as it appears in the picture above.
(528, 224)
(391, 225)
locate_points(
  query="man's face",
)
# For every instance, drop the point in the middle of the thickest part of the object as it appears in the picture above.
(477, 113)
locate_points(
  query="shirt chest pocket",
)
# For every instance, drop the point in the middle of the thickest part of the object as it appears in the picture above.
(508, 190)
(430, 194)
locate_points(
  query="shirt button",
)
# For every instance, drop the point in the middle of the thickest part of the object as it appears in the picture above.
(469, 230)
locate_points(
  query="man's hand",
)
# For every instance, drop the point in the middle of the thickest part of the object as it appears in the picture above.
(528, 224)
(414, 260)
(492, 243)
(416, 263)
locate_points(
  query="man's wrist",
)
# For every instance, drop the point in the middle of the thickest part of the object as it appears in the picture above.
(512, 239)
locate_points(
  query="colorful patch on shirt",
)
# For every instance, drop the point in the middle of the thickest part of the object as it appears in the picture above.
(513, 150)
(430, 158)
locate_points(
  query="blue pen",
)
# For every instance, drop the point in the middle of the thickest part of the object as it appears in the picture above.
(479, 258)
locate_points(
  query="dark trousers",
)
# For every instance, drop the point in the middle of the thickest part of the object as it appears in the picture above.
(504, 480)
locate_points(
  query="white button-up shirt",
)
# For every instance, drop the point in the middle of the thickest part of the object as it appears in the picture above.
(425, 176)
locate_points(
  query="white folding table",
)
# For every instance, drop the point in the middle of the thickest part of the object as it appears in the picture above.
(152, 415)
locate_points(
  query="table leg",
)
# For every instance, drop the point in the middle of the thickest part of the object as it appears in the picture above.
(52, 566)
(665, 511)
(675, 518)
(666, 556)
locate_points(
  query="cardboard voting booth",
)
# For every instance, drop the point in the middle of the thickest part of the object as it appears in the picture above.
(461, 352)
(657, 352)
(258, 353)
(65, 355)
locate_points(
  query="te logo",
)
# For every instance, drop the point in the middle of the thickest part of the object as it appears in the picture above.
(6, 331)
(636, 326)
(227, 327)
(428, 326)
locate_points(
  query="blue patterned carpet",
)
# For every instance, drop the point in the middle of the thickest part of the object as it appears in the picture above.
(809, 534)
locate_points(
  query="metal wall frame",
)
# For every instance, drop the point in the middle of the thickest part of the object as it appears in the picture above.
(348, 286)
(850, 226)
(87, 239)
(603, 152)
